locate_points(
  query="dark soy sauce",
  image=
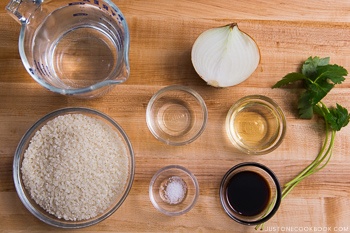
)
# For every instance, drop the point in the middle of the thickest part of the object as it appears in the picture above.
(248, 193)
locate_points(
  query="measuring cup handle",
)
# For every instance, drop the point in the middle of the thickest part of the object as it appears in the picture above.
(21, 10)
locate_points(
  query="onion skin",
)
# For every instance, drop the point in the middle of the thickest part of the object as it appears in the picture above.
(225, 56)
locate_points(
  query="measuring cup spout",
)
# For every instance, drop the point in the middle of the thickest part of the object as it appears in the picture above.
(21, 10)
(73, 47)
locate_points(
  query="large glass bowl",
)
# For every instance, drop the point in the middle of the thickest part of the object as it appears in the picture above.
(41, 213)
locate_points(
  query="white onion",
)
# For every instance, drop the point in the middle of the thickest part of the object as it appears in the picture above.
(225, 56)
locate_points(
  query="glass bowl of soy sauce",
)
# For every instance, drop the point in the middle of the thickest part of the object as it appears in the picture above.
(250, 193)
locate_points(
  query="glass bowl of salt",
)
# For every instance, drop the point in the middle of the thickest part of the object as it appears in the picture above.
(173, 190)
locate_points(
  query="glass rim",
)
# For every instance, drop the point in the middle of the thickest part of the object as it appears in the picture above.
(187, 90)
(21, 191)
(276, 108)
(81, 90)
(185, 171)
(275, 180)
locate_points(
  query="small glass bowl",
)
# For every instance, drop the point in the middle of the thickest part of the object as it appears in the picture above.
(176, 115)
(260, 210)
(255, 124)
(173, 190)
(37, 210)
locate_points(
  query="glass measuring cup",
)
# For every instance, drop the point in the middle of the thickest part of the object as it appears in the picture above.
(73, 47)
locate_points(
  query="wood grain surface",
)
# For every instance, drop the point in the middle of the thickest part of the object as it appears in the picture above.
(162, 34)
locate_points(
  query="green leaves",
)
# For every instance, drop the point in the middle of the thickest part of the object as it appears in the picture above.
(311, 64)
(289, 78)
(337, 117)
(319, 78)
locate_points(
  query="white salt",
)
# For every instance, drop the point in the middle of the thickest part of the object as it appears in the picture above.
(173, 190)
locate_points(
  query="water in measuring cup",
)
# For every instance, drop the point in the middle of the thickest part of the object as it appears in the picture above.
(77, 46)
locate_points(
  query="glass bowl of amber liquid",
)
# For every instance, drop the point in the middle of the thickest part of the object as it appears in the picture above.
(255, 124)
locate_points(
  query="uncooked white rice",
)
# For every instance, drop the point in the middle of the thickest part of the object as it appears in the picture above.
(75, 166)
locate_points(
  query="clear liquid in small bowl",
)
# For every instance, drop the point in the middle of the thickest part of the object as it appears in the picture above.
(174, 118)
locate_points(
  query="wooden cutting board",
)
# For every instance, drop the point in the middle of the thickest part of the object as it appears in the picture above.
(162, 34)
